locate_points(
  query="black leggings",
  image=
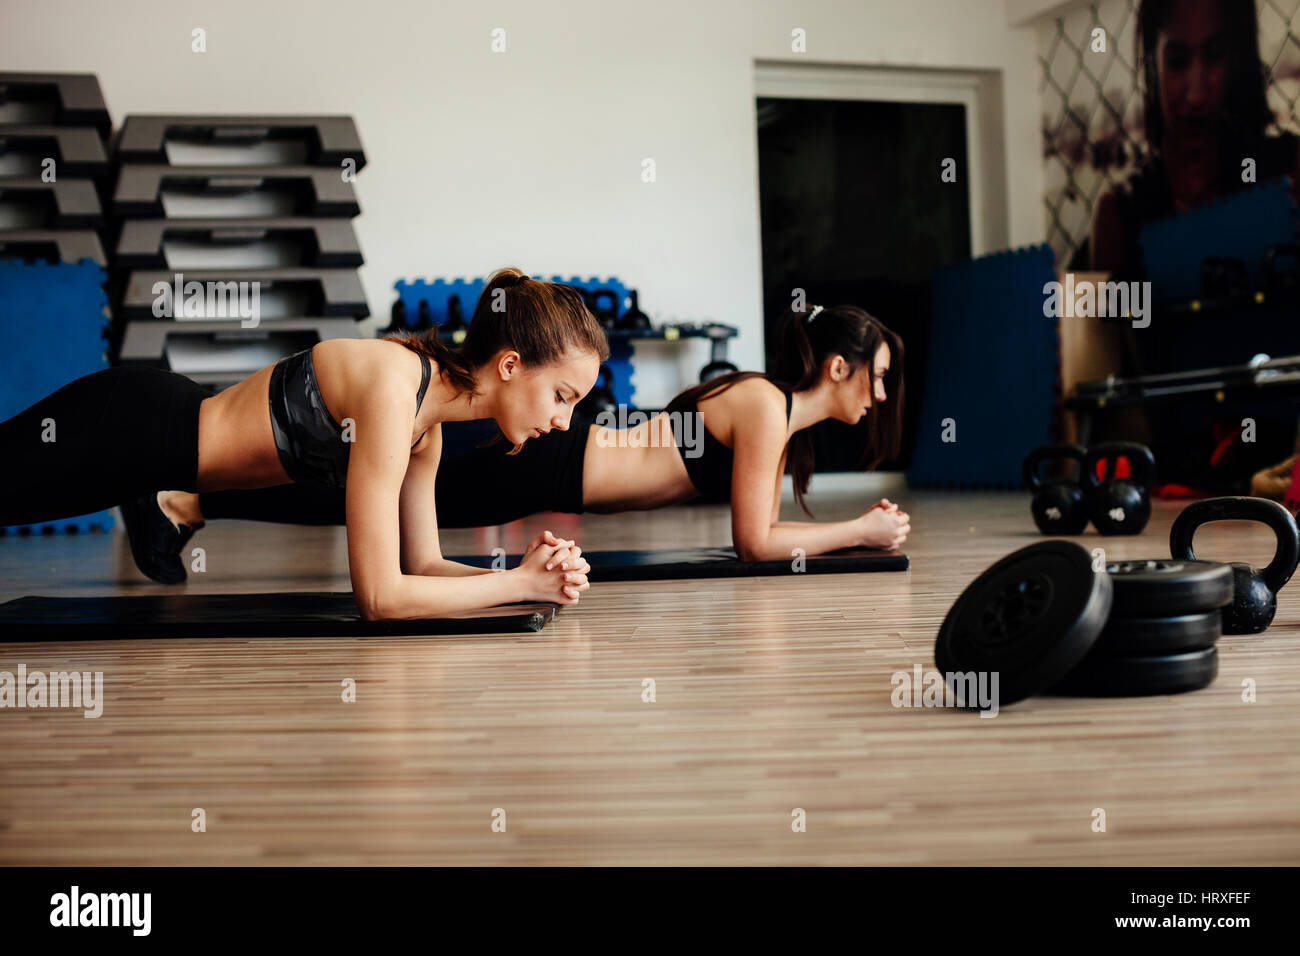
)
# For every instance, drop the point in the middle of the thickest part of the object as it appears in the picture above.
(108, 437)
(487, 486)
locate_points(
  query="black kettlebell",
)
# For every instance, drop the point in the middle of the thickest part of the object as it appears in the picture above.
(1059, 505)
(601, 397)
(634, 320)
(1254, 592)
(423, 317)
(714, 369)
(1119, 505)
(455, 317)
(604, 306)
(398, 321)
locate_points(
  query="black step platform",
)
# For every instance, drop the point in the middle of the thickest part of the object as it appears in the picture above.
(63, 204)
(76, 150)
(326, 243)
(74, 99)
(329, 292)
(55, 245)
(295, 614)
(328, 139)
(717, 563)
(312, 191)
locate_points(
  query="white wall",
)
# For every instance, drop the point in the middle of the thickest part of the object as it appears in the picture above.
(532, 157)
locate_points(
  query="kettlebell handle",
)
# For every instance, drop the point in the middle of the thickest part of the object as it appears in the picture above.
(1044, 453)
(1142, 464)
(1237, 507)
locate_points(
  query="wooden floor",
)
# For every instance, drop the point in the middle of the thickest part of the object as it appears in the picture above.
(771, 694)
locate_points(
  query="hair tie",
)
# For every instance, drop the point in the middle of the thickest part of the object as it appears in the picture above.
(813, 314)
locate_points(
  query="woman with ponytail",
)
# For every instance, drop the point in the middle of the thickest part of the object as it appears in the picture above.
(359, 418)
(729, 439)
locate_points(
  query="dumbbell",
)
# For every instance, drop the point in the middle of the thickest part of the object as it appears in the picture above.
(1059, 505)
(1119, 505)
(1254, 592)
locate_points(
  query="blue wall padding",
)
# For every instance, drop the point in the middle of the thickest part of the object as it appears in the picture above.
(438, 291)
(1242, 227)
(52, 330)
(992, 370)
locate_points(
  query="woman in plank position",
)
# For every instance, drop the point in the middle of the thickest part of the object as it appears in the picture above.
(360, 418)
(833, 363)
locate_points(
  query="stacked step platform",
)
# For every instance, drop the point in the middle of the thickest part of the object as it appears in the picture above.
(235, 246)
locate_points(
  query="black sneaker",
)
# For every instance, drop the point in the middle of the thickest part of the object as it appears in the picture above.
(155, 542)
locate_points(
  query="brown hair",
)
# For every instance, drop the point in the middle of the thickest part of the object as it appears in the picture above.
(539, 320)
(804, 343)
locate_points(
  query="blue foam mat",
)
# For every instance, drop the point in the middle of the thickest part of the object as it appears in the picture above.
(52, 330)
(992, 371)
(1243, 226)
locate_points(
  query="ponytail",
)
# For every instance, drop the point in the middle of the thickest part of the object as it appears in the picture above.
(806, 338)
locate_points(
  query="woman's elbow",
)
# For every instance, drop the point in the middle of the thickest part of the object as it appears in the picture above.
(748, 550)
(376, 604)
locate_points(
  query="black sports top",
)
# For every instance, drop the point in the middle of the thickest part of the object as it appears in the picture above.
(309, 441)
(710, 472)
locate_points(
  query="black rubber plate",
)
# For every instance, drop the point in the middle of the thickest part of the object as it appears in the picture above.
(1031, 617)
(1169, 586)
(296, 614)
(1140, 636)
(1101, 676)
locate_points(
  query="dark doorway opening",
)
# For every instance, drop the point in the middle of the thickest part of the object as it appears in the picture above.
(854, 211)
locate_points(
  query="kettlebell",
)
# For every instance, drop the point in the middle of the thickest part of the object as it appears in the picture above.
(1119, 505)
(604, 306)
(423, 317)
(1254, 592)
(1059, 505)
(714, 369)
(455, 317)
(634, 320)
(601, 397)
(398, 321)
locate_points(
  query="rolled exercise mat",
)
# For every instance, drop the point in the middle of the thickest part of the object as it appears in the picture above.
(718, 563)
(295, 614)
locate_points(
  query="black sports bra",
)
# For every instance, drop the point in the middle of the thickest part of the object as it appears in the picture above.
(310, 443)
(710, 472)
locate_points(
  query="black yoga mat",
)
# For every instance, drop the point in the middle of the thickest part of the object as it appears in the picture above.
(716, 563)
(296, 614)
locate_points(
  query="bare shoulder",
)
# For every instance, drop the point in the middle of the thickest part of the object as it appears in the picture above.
(757, 396)
(756, 405)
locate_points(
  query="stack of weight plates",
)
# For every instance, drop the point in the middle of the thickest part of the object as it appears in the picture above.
(1044, 621)
(1161, 633)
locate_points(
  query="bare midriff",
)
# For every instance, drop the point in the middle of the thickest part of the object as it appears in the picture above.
(634, 469)
(236, 444)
